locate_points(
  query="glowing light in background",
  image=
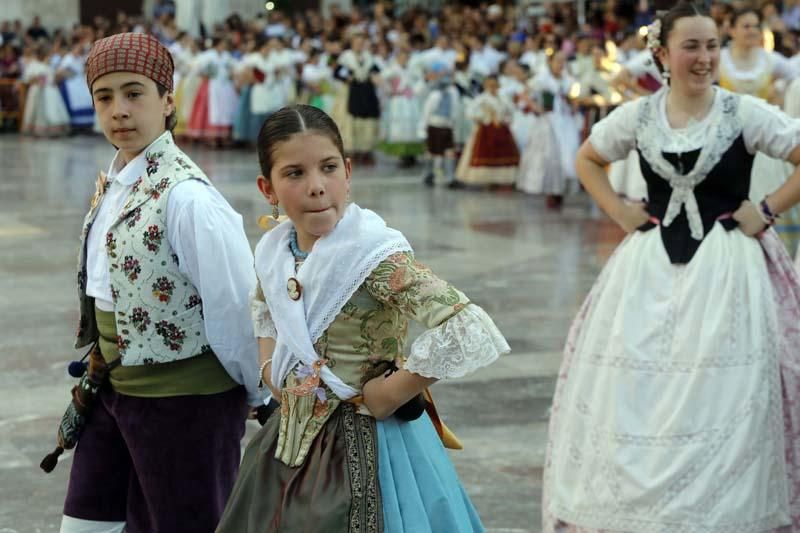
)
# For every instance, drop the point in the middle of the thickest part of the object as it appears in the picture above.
(769, 41)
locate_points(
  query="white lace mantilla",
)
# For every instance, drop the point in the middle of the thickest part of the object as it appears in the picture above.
(461, 345)
(723, 126)
(337, 265)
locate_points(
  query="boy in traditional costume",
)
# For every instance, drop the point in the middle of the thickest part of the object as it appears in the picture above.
(164, 278)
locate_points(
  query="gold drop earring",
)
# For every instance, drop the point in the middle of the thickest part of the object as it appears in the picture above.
(266, 222)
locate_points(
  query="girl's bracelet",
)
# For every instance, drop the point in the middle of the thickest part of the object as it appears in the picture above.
(261, 373)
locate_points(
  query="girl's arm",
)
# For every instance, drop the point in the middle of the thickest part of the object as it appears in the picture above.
(461, 339)
(266, 346)
(383, 395)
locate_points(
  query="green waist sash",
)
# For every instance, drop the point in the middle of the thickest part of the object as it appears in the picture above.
(202, 374)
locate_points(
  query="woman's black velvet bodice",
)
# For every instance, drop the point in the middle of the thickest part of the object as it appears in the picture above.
(721, 192)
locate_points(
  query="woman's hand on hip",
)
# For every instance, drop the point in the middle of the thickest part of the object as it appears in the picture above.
(631, 216)
(750, 221)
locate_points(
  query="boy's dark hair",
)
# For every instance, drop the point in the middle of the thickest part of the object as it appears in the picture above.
(288, 121)
(172, 120)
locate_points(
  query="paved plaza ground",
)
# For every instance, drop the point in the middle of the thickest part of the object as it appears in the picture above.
(527, 266)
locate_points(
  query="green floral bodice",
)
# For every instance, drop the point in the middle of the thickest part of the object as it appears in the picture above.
(368, 334)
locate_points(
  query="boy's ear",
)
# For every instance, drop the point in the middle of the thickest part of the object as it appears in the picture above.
(170, 104)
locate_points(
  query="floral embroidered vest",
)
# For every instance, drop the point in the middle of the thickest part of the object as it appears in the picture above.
(158, 311)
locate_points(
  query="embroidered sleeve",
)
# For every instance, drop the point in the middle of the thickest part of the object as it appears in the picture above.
(263, 325)
(461, 338)
(768, 129)
(466, 342)
(615, 136)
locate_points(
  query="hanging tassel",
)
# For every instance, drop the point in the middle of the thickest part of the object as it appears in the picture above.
(77, 368)
(51, 460)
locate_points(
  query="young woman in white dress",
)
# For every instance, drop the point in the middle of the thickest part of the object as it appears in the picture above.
(45, 112)
(677, 404)
(548, 160)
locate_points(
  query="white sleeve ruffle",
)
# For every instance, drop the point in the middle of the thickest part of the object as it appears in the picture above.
(466, 342)
(263, 326)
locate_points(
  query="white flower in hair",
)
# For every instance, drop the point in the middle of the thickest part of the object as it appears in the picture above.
(654, 35)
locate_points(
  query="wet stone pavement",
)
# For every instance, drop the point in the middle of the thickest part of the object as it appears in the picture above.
(528, 267)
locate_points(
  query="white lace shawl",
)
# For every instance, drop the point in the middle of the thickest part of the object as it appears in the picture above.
(724, 126)
(337, 266)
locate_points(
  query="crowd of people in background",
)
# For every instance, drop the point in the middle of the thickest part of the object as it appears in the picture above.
(490, 96)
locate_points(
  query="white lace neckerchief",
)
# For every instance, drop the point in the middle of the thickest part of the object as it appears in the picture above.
(723, 126)
(359, 65)
(336, 267)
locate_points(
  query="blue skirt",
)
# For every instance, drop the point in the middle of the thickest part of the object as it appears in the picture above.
(420, 488)
(246, 124)
(242, 118)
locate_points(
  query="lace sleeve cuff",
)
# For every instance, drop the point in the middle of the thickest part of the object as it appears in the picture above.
(464, 343)
(263, 326)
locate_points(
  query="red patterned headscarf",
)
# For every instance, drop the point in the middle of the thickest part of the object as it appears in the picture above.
(130, 52)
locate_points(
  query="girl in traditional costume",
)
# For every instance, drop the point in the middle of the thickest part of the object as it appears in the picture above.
(548, 162)
(183, 51)
(401, 112)
(317, 80)
(73, 88)
(676, 407)
(45, 112)
(215, 104)
(490, 156)
(746, 67)
(358, 69)
(354, 448)
(190, 85)
(245, 75)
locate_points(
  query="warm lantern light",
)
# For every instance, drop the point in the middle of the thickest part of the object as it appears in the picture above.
(611, 50)
(769, 40)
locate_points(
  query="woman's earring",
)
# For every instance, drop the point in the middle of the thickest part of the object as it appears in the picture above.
(275, 212)
(665, 74)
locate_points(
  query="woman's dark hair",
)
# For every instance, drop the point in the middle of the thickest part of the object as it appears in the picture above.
(172, 120)
(745, 11)
(288, 121)
(671, 17)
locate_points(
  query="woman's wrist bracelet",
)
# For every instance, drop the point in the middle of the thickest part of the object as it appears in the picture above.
(766, 213)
